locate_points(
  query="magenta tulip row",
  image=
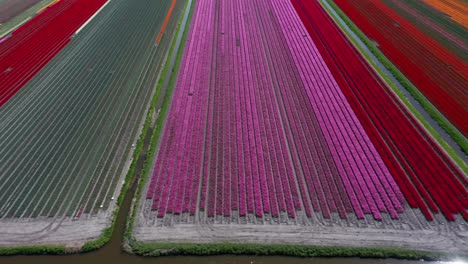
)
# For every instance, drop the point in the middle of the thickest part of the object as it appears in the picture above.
(258, 124)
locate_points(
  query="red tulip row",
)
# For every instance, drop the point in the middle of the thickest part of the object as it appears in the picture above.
(428, 179)
(38, 41)
(259, 126)
(440, 75)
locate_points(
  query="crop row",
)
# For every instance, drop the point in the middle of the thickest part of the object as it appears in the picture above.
(437, 73)
(35, 43)
(258, 125)
(428, 179)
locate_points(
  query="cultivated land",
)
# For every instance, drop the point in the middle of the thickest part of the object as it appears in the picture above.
(67, 135)
(434, 23)
(27, 49)
(439, 74)
(279, 136)
(279, 133)
(420, 167)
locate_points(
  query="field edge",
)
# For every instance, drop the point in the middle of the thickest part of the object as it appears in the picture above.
(105, 236)
(229, 248)
(37, 250)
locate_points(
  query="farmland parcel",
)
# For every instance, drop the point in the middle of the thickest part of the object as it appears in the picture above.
(280, 133)
(66, 137)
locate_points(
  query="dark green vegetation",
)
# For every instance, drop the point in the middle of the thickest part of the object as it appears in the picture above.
(102, 240)
(167, 249)
(33, 250)
(417, 95)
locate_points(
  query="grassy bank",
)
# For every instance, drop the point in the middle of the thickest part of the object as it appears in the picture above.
(34, 250)
(457, 137)
(169, 249)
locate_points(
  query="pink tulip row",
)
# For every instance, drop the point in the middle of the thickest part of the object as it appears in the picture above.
(258, 125)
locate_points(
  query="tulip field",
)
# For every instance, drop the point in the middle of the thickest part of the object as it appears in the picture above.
(455, 9)
(29, 48)
(419, 166)
(434, 23)
(438, 73)
(276, 115)
(275, 122)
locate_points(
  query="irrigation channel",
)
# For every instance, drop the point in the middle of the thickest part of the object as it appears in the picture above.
(112, 252)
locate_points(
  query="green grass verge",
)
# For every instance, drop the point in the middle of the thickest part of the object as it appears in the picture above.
(169, 249)
(33, 250)
(458, 138)
(160, 120)
(102, 240)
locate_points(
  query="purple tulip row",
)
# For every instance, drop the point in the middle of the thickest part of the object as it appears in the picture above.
(258, 125)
